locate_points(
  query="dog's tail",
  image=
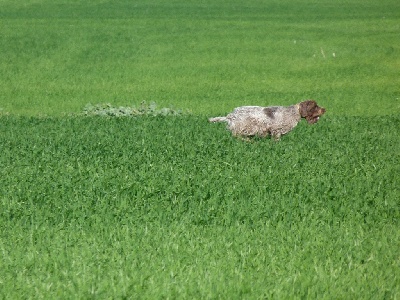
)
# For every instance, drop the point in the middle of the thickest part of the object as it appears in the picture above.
(217, 119)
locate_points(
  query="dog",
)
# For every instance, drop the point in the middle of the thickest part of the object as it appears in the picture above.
(250, 121)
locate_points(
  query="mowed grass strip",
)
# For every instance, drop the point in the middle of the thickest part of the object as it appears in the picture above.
(207, 57)
(175, 207)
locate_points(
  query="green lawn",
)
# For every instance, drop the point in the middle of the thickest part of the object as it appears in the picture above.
(173, 207)
(207, 56)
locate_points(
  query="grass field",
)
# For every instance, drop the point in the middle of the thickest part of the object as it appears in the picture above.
(172, 208)
(207, 56)
(156, 207)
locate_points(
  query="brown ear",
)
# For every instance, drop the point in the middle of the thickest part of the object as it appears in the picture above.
(307, 107)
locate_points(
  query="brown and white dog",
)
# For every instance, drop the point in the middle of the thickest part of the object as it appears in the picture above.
(248, 121)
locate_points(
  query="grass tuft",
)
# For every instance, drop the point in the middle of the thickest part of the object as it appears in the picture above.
(150, 109)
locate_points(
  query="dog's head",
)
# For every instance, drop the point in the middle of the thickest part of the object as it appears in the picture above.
(311, 111)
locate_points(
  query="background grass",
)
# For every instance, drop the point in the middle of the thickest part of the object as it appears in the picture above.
(168, 208)
(207, 56)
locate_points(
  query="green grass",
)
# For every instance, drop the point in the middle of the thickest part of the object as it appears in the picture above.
(173, 207)
(207, 56)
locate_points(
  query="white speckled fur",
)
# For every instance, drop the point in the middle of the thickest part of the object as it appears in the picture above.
(272, 120)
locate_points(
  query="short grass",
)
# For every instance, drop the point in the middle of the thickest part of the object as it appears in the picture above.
(206, 56)
(174, 207)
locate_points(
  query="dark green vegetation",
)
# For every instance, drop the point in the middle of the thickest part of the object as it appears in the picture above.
(207, 56)
(174, 207)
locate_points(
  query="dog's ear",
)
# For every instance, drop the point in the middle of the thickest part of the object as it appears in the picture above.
(307, 108)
